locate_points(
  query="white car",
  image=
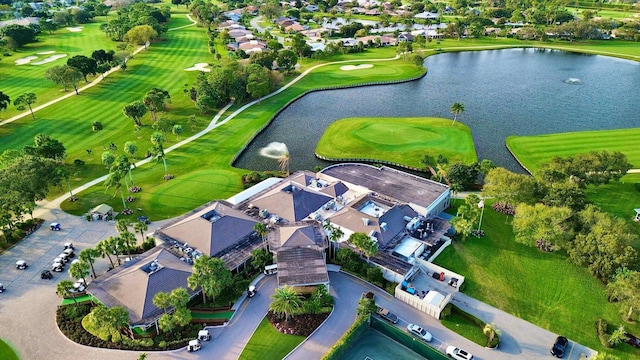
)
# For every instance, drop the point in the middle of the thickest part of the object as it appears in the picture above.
(458, 353)
(420, 332)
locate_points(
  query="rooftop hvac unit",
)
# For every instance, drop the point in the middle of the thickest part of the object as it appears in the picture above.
(317, 217)
(407, 218)
(365, 221)
(383, 226)
(264, 213)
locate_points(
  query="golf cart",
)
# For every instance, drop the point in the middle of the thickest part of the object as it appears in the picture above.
(70, 253)
(64, 257)
(57, 266)
(68, 245)
(194, 345)
(21, 265)
(55, 226)
(1, 288)
(252, 291)
(143, 219)
(203, 335)
(46, 274)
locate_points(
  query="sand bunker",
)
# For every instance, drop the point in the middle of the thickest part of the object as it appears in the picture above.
(75, 29)
(46, 52)
(25, 60)
(49, 59)
(355, 67)
(199, 67)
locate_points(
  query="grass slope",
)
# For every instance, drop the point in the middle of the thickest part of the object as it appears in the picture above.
(202, 167)
(267, 343)
(618, 197)
(532, 151)
(399, 140)
(543, 288)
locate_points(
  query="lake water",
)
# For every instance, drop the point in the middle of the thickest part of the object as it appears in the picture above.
(505, 92)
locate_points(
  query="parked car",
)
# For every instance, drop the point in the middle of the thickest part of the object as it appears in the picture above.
(143, 219)
(458, 354)
(46, 274)
(21, 265)
(559, 346)
(420, 332)
(387, 315)
(68, 245)
(55, 226)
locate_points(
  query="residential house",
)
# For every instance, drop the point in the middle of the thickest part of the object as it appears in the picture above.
(427, 16)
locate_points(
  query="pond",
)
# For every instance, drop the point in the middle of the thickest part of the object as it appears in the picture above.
(505, 92)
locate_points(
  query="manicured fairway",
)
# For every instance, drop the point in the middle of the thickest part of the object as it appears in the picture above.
(18, 79)
(532, 151)
(543, 288)
(267, 343)
(618, 197)
(6, 352)
(399, 140)
(202, 168)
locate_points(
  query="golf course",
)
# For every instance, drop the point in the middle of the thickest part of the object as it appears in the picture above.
(398, 140)
(539, 287)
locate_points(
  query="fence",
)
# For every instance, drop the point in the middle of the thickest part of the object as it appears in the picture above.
(407, 340)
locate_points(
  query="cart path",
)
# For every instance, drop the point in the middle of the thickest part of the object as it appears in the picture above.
(95, 82)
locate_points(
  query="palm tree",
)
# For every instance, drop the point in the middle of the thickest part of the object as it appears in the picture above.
(115, 180)
(63, 289)
(122, 225)
(490, 331)
(457, 109)
(105, 247)
(140, 227)
(79, 270)
(285, 301)
(129, 241)
(262, 230)
(157, 139)
(283, 161)
(162, 300)
(89, 256)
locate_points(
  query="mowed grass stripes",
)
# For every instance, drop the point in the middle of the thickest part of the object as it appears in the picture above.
(19, 79)
(533, 151)
(403, 141)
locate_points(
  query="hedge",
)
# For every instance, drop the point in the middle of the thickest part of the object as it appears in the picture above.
(602, 329)
(355, 331)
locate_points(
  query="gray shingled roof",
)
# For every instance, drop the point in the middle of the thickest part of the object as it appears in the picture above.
(291, 201)
(211, 229)
(133, 285)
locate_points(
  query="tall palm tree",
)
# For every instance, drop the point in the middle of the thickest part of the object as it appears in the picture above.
(122, 225)
(457, 109)
(89, 255)
(285, 301)
(129, 241)
(63, 289)
(105, 247)
(140, 227)
(79, 270)
(262, 230)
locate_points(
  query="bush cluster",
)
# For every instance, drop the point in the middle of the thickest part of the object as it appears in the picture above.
(353, 264)
(504, 208)
(20, 230)
(69, 319)
(602, 329)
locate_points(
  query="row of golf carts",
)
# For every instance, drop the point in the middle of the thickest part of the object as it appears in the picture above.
(196, 344)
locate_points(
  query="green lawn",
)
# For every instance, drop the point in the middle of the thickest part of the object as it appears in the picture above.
(6, 352)
(532, 151)
(208, 315)
(543, 288)
(267, 343)
(618, 197)
(464, 326)
(18, 79)
(399, 140)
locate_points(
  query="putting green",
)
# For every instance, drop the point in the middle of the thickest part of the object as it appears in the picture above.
(532, 151)
(404, 141)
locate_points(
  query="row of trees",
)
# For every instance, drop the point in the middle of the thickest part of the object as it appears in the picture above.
(552, 213)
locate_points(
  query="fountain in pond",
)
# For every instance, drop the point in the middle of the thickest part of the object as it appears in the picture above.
(573, 81)
(275, 150)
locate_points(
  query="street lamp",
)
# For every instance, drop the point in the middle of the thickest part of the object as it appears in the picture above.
(481, 206)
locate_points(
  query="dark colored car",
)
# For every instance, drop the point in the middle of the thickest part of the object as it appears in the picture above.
(143, 219)
(559, 346)
(46, 274)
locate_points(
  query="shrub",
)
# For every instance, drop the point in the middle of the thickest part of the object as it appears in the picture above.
(148, 244)
(391, 288)
(636, 186)
(446, 312)
(602, 329)
(78, 162)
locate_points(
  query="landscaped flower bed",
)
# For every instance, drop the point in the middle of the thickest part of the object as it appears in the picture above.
(303, 324)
